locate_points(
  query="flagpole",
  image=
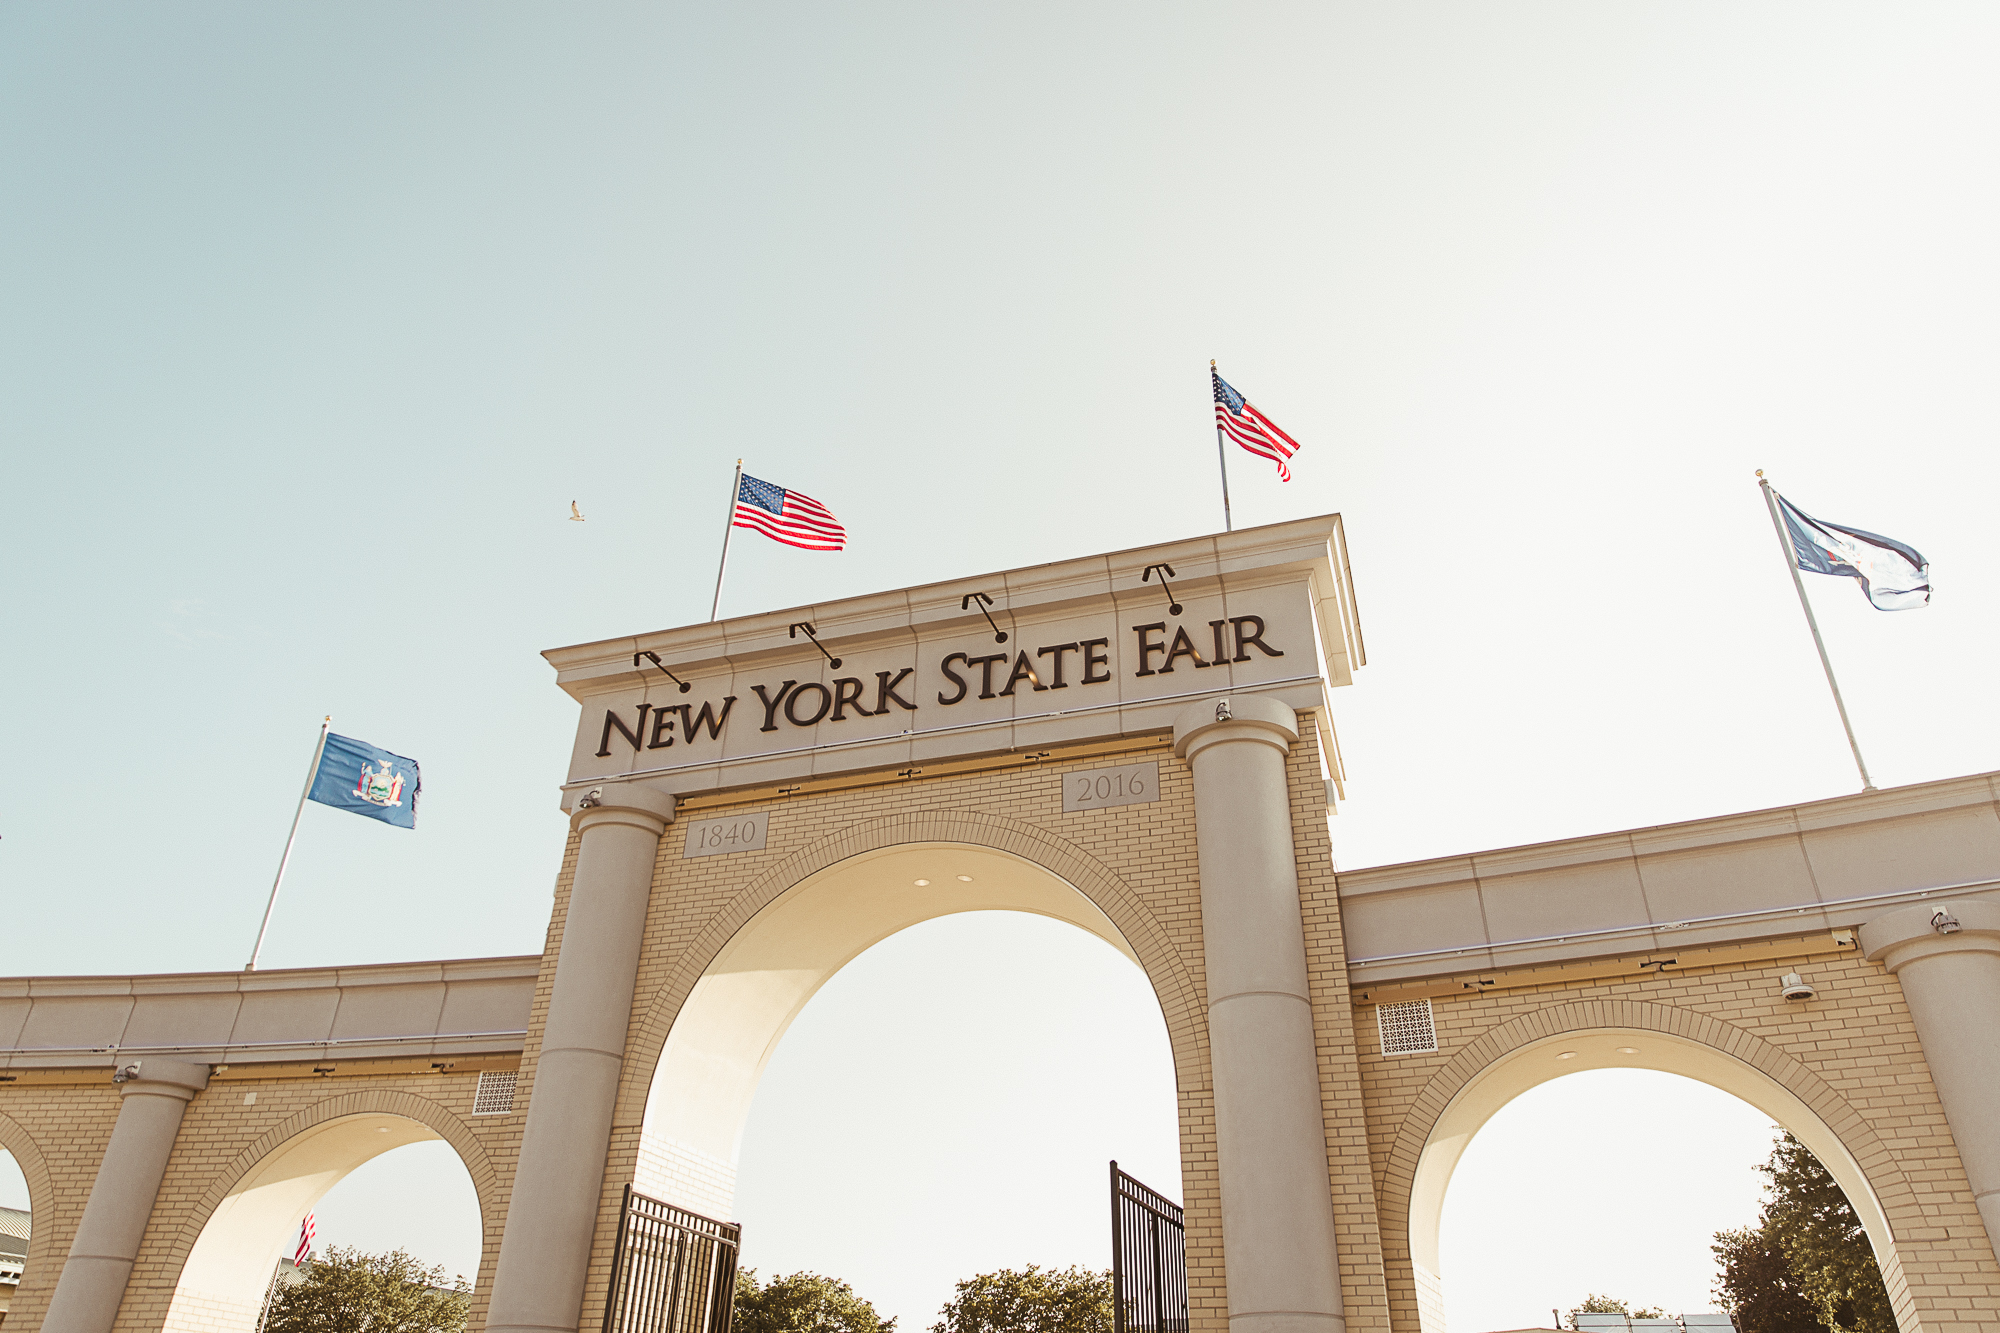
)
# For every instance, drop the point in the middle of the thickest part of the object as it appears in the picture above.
(1222, 458)
(728, 523)
(285, 860)
(1798, 584)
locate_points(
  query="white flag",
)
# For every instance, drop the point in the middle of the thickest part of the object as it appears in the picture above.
(1894, 577)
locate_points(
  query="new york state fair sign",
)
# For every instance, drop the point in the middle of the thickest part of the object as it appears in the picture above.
(769, 699)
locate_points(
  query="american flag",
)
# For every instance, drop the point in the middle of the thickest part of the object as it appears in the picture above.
(1251, 428)
(787, 516)
(304, 1252)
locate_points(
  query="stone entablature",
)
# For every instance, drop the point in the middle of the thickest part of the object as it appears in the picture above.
(1093, 650)
(1795, 871)
(457, 1007)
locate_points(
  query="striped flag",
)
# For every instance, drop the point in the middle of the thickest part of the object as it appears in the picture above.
(306, 1235)
(1251, 428)
(786, 516)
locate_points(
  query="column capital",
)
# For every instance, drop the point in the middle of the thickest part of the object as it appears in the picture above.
(161, 1078)
(1898, 938)
(1251, 717)
(631, 803)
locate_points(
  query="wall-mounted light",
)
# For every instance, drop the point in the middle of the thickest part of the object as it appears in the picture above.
(126, 1074)
(654, 658)
(1944, 923)
(1795, 987)
(965, 604)
(1173, 607)
(591, 799)
(792, 632)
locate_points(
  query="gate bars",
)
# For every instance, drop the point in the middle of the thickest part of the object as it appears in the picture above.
(673, 1271)
(1149, 1290)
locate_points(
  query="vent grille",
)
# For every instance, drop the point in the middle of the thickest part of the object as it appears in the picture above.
(495, 1093)
(1406, 1028)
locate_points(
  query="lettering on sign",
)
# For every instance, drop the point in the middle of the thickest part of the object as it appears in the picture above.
(737, 833)
(1160, 648)
(1101, 788)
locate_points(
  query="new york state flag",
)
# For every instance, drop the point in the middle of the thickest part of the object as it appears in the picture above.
(354, 775)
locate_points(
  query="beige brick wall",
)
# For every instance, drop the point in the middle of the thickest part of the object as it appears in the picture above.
(67, 1125)
(57, 1134)
(1851, 1055)
(1342, 1095)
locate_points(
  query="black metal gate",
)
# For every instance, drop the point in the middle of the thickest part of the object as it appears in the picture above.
(673, 1271)
(1149, 1290)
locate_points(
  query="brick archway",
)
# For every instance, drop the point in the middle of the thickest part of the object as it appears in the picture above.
(42, 1263)
(376, 1105)
(1900, 1209)
(1172, 984)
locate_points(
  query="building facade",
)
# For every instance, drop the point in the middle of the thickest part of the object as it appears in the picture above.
(1139, 744)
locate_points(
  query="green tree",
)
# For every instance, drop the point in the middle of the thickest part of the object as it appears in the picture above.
(347, 1291)
(1824, 1242)
(1828, 1264)
(1596, 1304)
(802, 1303)
(1072, 1300)
(1756, 1285)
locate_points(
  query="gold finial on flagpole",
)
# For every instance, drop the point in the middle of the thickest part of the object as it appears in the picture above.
(1211, 363)
(1760, 472)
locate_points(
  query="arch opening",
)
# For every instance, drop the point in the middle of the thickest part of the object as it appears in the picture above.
(758, 982)
(16, 1222)
(1551, 1058)
(223, 1282)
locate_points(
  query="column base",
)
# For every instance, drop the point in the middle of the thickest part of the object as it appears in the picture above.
(1286, 1321)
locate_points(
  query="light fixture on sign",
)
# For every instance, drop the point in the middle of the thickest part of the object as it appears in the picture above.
(1628, 1050)
(923, 883)
(965, 604)
(792, 632)
(1565, 1055)
(654, 658)
(965, 879)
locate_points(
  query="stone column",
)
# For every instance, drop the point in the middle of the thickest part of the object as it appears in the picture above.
(552, 1214)
(92, 1284)
(1279, 1255)
(1947, 955)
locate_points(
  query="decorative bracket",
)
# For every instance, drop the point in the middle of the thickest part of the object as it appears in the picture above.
(792, 632)
(1173, 607)
(654, 658)
(965, 604)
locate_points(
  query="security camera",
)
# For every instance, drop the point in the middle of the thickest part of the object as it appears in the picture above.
(1796, 987)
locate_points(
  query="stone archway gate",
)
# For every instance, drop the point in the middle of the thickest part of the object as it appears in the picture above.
(1162, 750)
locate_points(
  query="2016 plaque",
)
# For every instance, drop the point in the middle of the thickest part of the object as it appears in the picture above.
(1101, 788)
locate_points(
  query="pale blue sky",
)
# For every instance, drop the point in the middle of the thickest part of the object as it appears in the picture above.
(317, 318)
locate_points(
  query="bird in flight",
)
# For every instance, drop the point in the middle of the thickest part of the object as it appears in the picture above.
(575, 514)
